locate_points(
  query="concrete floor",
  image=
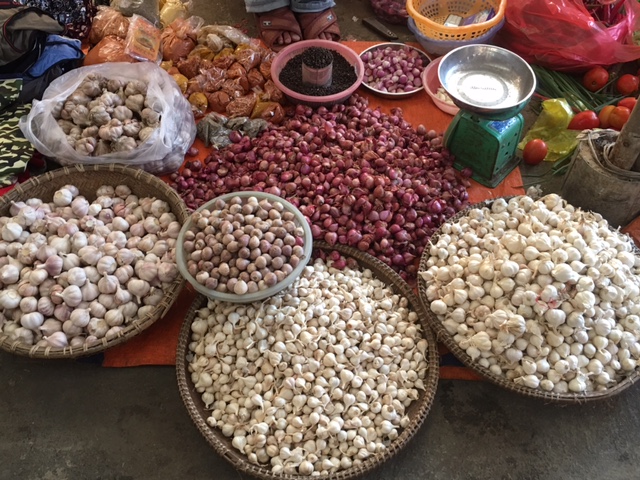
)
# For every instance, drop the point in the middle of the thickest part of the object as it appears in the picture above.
(79, 421)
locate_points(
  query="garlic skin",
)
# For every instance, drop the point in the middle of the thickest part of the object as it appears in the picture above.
(66, 266)
(11, 231)
(32, 320)
(62, 197)
(334, 390)
(9, 299)
(9, 274)
(50, 326)
(57, 340)
(80, 317)
(552, 288)
(97, 327)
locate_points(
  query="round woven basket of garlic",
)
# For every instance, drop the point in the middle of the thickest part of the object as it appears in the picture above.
(537, 296)
(331, 376)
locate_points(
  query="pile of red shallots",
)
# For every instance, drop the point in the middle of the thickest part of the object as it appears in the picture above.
(361, 177)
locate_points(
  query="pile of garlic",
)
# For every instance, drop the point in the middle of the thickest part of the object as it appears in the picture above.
(73, 272)
(107, 115)
(315, 379)
(539, 292)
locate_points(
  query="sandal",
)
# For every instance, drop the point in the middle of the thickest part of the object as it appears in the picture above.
(271, 26)
(313, 24)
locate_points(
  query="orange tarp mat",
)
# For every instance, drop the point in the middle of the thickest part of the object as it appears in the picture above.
(157, 345)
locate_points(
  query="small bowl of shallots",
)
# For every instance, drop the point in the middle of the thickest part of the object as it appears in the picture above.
(393, 70)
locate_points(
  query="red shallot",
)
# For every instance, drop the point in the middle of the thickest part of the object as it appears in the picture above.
(393, 70)
(361, 178)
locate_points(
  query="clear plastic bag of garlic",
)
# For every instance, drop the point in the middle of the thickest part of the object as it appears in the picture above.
(74, 272)
(540, 292)
(315, 379)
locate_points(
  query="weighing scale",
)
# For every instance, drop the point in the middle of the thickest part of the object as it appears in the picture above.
(491, 86)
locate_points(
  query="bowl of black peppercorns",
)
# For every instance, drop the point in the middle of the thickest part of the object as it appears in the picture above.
(317, 72)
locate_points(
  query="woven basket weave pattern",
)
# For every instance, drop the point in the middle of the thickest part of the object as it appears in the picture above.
(417, 411)
(88, 179)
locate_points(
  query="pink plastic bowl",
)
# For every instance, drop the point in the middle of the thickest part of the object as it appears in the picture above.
(294, 49)
(431, 83)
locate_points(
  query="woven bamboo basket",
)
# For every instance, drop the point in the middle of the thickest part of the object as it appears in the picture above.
(417, 412)
(444, 337)
(88, 178)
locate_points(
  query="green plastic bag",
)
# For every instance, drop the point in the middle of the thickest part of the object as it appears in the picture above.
(551, 126)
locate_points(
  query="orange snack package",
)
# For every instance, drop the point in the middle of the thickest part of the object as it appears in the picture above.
(143, 40)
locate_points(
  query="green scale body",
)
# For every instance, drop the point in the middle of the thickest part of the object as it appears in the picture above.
(488, 147)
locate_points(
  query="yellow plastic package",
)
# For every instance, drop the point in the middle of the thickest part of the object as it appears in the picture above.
(172, 9)
(551, 126)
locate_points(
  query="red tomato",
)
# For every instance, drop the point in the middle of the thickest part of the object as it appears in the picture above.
(534, 151)
(619, 117)
(628, 84)
(584, 121)
(595, 79)
(604, 116)
(628, 102)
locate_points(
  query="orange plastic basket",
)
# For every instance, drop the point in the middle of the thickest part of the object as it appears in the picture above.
(430, 16)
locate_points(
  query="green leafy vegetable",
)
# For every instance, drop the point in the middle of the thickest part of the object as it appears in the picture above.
(552, 84)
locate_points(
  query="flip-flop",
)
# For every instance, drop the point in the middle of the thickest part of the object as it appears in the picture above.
(273, 24)
(313, 24)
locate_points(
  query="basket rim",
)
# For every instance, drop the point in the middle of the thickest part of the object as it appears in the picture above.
(74, 172)
(181, 259)
(464, 29)
(446, 338)
(423, 404)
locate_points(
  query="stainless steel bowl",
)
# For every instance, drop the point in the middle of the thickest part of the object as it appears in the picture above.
(487, 80)
(394, 46)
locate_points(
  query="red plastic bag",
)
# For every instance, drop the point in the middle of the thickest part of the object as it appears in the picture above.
(562, 35)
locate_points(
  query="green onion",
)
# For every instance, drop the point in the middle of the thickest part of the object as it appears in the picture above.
(552, 84)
